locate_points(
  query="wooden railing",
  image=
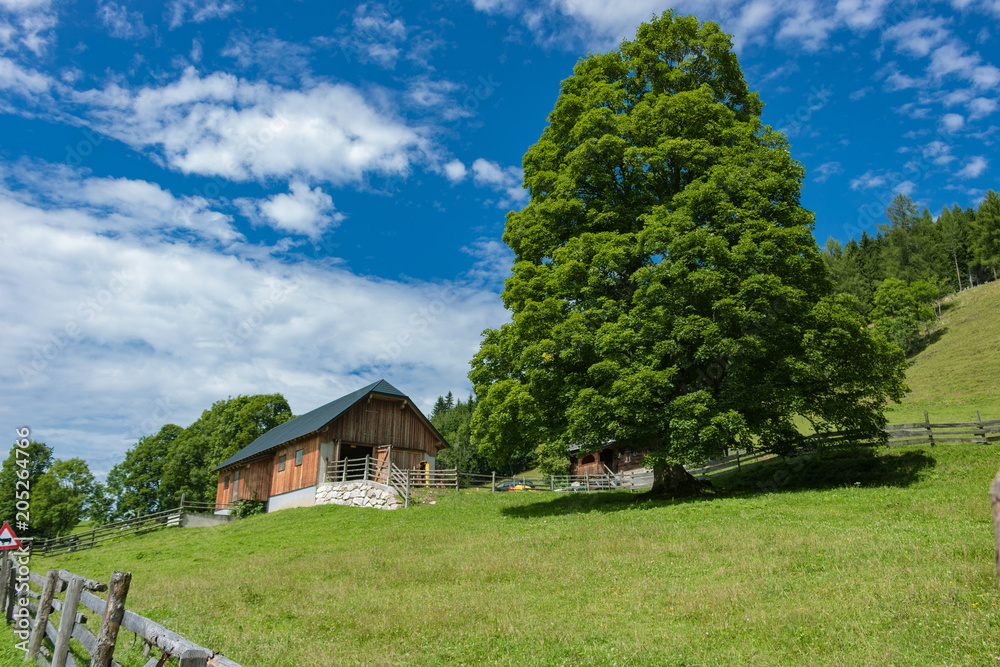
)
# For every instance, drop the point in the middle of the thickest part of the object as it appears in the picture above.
(370, 469)
(33, 627)
(118, 529)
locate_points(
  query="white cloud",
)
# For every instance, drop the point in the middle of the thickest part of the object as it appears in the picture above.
(861, 15)
(122, 207)
(826, 170)
(952, 122)
(305, 211)
(375, 37)
(918, 36)
(218, 125)
(504, 180)
(180, 12)
(974, 168)
(120, 22)
(15, 78)
(30, 25)
(939, 152)
(493, 260)
(280, 60)
(869, 180)
(455, 171)
(906, 188)
(138, 332)
(981, 107)
(600, 25)
(860, 93)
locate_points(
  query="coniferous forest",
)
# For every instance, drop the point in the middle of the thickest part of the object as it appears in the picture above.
(914, 259)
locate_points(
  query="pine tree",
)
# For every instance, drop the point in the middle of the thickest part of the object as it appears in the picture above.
(986, 228)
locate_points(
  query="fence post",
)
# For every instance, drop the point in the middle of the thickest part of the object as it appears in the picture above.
(927, 425)
(366, 468)
(9, 586)
(406, 496)
(67, 619)
(193, 657)
(995, 501)
(981, 428)
(42, 615)
(493, 484)
(4, 578)
(114, 612)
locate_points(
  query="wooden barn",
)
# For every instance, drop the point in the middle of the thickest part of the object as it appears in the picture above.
(284, 466)
(607, 459)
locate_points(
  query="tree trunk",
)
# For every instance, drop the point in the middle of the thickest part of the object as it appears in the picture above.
(955, 255)
(674, 481)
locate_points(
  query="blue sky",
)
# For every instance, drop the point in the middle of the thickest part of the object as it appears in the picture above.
(206, 198)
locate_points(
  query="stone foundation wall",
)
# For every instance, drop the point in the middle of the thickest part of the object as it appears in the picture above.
(358, 493)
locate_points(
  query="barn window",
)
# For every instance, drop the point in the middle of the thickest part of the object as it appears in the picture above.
(589, 458)
(298, 457)
(281, 463)
(225, 484)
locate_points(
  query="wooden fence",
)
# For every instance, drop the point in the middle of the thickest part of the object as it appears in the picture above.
(922, 433)
(35, 629)
(118, 529)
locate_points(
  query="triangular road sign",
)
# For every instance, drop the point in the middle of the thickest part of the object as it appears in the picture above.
(8, 540)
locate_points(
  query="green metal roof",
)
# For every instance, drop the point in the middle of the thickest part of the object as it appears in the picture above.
(311, 422)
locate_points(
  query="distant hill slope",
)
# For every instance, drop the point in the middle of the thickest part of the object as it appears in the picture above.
(959, 371)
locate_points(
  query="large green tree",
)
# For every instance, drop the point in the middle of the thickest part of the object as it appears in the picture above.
(134, 483)
(667, 292)
(221, 431)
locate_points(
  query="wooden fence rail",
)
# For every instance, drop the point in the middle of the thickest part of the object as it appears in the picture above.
(921, 433)
(33, 625)
(117, 529)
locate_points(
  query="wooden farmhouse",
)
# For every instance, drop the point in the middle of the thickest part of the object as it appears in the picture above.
(285, 465)
(604, 460)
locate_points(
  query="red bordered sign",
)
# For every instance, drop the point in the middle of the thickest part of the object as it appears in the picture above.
(8, 540)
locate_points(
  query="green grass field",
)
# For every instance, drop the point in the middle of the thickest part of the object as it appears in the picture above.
(959, 371)
(845, 558)
(862, 559)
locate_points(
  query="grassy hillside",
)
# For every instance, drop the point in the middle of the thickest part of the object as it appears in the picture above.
(868, 559)
(959, 371)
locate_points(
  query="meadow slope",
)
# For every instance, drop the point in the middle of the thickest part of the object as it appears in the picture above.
(958, 372)
(864, 559)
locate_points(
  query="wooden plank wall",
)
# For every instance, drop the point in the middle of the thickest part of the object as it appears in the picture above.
(255, 477)
(255, 480)
(384, 422)
(296, 477)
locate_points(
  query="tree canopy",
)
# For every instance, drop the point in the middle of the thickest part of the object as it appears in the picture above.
(667, 292)
(61, 492)
(176, 462)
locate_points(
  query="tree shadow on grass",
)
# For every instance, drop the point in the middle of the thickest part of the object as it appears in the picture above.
(830, 469)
